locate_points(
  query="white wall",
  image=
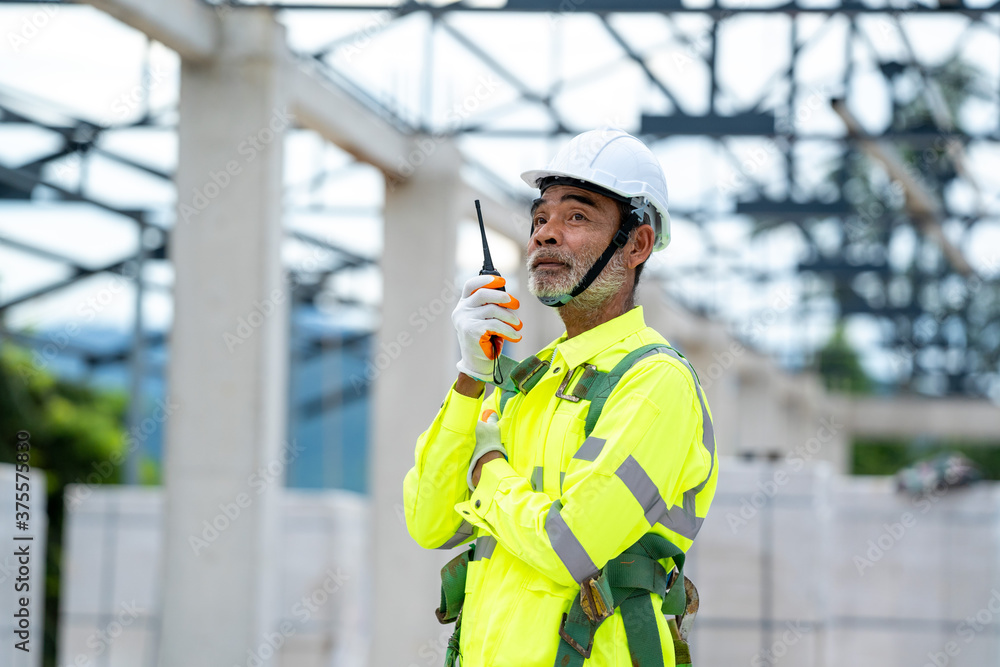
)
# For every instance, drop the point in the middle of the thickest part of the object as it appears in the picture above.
(824, 570)
(778, 564)
(112, 582)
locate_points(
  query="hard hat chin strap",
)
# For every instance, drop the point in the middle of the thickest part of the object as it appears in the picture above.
(617, 241)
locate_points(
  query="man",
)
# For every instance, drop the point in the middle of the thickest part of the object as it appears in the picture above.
(601, 463)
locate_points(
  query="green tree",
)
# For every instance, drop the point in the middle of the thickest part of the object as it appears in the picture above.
(840, 367)
(76, 436)
(886, 457)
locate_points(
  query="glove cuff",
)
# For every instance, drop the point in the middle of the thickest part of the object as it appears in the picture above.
(485, 376)
(475, 460)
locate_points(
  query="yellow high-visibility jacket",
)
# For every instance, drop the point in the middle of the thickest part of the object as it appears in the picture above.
(563, 505)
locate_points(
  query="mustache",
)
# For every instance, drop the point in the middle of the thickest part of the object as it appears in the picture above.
(542, 255)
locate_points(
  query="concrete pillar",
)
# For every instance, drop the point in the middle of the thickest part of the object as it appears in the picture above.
(415, 356)
(229, 353)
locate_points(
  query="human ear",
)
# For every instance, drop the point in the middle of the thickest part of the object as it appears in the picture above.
(641, 246)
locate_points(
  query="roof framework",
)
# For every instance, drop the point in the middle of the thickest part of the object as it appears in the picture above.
(769, 150)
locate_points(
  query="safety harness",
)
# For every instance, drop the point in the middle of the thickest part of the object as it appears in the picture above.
(627, 580)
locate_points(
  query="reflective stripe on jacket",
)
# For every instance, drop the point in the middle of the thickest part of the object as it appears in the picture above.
(564, 505)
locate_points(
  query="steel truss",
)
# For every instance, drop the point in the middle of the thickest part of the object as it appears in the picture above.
(815, 180)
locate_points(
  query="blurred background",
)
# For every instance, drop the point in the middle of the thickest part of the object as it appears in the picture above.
(232, 234)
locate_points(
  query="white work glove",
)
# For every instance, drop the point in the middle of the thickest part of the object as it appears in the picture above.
(483, 312)
(487, 440)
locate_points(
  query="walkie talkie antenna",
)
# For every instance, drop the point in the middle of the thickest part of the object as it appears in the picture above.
(488, 270)
(487, 260)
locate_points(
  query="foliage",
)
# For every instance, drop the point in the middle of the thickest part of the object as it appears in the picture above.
(875, 457)
(840, 368)
(76, 435)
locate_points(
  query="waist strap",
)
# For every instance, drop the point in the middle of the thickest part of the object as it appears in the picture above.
(626, 583)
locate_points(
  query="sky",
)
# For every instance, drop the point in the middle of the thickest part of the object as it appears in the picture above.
(79, 62)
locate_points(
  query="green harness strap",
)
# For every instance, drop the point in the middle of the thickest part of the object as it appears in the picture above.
(452, 597)
(626, 582)
(602, 384)
(593, 385)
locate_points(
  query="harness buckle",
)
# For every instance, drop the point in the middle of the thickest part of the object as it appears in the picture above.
(596, 599)
(574, 396)
(523, 376)
(585, 652)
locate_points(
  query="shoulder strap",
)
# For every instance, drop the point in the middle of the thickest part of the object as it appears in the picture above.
(604, 384)
(593, 385)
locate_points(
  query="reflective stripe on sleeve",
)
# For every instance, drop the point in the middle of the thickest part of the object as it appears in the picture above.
(682, 519)
(590, 449)
(536, 478)
(567, 547)
(463, 533)
(643, 488)
(484, 547)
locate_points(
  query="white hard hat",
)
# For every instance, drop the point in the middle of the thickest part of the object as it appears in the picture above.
(618, 162)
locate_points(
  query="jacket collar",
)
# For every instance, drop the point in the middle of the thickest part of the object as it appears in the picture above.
(590, 343)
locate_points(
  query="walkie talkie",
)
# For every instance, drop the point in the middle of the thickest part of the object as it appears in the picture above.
(489, 270)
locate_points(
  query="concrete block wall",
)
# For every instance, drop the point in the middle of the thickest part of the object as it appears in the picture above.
(797, 566)
(809, 568)
(112, 582)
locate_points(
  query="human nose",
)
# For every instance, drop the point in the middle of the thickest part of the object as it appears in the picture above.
(548, 233)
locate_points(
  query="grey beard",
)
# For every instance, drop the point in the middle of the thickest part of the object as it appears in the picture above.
(607, 284)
